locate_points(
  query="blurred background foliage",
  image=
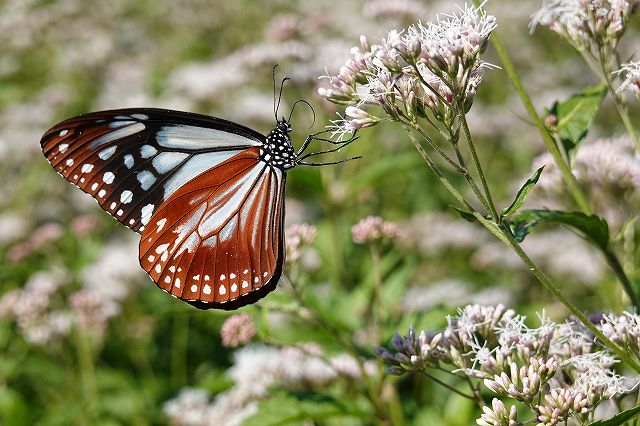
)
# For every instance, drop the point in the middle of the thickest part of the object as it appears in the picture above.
(85, 336)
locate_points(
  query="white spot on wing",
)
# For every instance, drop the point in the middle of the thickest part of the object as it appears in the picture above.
(128, 161)
(146, 213)
(105, 154)
(126, 197)
(63, 147)
(70, 162)
(119, 124)
(123, 132)
(234, 287)
(194, 288)
(140, 116)
(146, 179)
(222, 290)
(162, 248)
(62, 133)
(192, 137)
(86, 168)
(206, 289)
(147, 151)
(160, 224)
(166, 161)
(108, 178)
(102, 193)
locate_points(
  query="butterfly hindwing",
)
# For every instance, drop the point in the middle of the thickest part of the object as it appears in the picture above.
(216, 242)
(132, 160)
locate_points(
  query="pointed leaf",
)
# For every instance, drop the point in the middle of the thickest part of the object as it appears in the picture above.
(619, 418)
(521, 196)
(468, 216)
(574, 116)
(593, 228)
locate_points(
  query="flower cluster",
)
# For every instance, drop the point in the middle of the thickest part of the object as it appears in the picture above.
(373, 229)
(631, 82)
(498, 414)
(297, 237)
(557, 370)
(237, 330)
(586, 24)
(255, 370)
(608, 169)
(432, 67)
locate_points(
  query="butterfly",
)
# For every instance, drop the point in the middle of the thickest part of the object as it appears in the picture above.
(205, 194)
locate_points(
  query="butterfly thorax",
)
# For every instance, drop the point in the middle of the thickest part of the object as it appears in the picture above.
(278, 150)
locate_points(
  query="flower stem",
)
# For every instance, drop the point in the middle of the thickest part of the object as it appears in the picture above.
(476, 162)
(546, 282)
(461, 168)
(377, 290)
(548, 140)
(615, 265)
(437, 171)
(606, 79)
(448, 386)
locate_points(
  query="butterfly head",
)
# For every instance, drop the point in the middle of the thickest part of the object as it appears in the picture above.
(278, 150)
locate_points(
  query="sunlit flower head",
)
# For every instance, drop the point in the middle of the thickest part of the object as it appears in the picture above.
(631, 74)
(432, 67)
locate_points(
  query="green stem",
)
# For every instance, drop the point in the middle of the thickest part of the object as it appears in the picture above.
(606, 76)
(548, 140)
(87, 372)
(615, 265)
(377, 290)
(476, 162)
(437, 171)
(461, 168)
(448, 386)
(179, 342)
(546, 282)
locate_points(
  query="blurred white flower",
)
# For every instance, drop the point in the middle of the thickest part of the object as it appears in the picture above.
(608, 170)
(631, 73)
(114, 272)
(586, 23)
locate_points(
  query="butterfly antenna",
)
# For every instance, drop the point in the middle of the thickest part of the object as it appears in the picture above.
(275, 110)
(309, 105)
(280, 95)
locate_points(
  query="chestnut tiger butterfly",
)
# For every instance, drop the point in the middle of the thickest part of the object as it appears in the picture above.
(205, 194)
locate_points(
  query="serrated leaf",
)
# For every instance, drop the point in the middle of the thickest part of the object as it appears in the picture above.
(575, 115)
(593, 228)
(619, 418)
(521, 196)
(286, 408)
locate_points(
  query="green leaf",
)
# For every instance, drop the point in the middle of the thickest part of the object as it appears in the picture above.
(521, 196)
(468, 216)
(619, 418)
(593, 228)
(285, 408)
(575, 115)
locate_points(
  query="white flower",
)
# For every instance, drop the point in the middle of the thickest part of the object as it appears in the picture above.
(631, 81)
(586, 23)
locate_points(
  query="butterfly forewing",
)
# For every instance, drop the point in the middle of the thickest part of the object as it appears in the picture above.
(217, 240)
(132, 160)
